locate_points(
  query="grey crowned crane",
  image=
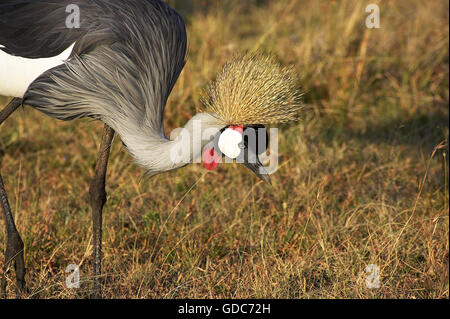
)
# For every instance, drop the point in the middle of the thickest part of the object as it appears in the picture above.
(119, 66)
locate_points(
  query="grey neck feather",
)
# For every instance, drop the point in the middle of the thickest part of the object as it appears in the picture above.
(158, 154)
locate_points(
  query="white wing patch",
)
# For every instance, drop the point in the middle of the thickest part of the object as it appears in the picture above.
(17, 73)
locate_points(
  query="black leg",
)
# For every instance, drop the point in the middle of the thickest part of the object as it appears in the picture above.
(9, 109)
(98, 199)
(14, 244)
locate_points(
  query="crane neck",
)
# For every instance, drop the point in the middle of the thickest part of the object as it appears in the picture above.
(159, 154)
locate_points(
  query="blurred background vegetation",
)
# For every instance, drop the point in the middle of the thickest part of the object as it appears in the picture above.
(362, 179)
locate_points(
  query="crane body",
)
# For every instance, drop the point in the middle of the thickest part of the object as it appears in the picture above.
(119, 67)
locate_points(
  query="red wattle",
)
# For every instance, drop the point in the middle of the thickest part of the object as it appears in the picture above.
(211, 159)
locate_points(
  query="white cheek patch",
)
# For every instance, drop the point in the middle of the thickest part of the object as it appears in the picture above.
(229, 142)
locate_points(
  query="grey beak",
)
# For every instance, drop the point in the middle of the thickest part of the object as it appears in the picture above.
(251, 161)
(259, 171)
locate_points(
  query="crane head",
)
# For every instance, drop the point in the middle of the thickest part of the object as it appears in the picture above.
(251, 90)
(241, 143)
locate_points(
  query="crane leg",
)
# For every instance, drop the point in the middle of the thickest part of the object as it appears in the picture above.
(14, 244)
(98, 199)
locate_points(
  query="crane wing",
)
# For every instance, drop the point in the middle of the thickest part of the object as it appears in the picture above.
(127, 57)
(37, 29)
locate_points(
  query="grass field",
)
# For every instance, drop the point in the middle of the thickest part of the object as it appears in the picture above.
(362, 178)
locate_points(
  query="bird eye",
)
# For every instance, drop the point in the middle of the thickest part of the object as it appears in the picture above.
(256, 138)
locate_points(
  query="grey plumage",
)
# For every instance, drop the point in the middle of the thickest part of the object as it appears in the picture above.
(129, 78)
(125, 79)
(36, 29)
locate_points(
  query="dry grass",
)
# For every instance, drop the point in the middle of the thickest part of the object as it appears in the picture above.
(362, 179)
